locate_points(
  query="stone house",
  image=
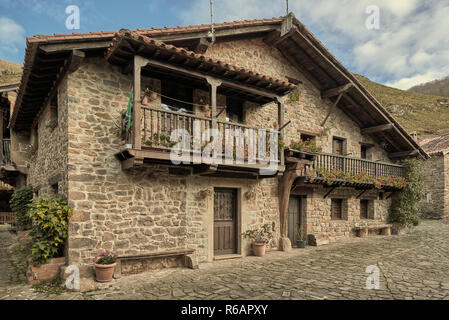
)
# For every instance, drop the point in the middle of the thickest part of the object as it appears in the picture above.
(436, 173)
(127, 194)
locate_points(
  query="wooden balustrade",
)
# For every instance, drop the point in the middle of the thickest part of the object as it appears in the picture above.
(7, 217)
(329, 162)
(158, 124)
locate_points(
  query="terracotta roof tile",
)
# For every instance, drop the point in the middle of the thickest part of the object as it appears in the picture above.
(436, 145)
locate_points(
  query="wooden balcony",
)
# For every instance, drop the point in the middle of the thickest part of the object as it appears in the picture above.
(157, 125)
(334, 170)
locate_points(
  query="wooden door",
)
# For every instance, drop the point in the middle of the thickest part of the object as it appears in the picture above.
(225, 221)
(294, 219)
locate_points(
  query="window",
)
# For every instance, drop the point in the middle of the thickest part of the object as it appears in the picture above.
(338, 146)
(364, 209)
(363, 152)
(55, 188)
(337, 209)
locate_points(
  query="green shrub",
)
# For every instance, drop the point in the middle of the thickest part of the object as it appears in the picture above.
(50, 218)
(406, 206)
(19, 202)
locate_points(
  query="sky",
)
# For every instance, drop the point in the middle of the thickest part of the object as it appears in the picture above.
(408, 46)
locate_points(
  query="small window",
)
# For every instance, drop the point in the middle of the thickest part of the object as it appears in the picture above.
(364, 152)
(53, 119)
(364, 209)
(381, 195)
(176, 96)
(337, 209)
(338, 146)
(55, 188)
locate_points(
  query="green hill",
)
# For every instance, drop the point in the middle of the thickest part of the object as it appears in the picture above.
(426, 114)
(9, 72)
(438, 87)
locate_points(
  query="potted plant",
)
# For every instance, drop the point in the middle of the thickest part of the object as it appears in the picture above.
(207, 111)
(260, 238)
(104, 266)
(300, 242)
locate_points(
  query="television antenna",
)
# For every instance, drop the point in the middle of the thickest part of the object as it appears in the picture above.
(212, 21)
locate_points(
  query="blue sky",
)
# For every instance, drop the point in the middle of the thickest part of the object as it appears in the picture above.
(410, 47)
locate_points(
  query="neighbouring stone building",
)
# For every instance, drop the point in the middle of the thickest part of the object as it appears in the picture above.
(130, 198)
(436, 173)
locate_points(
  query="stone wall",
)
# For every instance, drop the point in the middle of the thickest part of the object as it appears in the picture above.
(436, 202)
(145, 210)
(48, 165)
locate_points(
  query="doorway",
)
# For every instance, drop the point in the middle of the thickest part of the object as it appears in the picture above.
(294, 220)
(225, 221)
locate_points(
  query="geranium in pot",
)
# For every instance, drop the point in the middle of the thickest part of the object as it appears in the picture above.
(104, 266)
(260, 238)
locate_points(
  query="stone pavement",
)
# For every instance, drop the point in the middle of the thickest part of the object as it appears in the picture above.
(412, 266)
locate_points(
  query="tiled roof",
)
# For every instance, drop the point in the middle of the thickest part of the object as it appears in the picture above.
(152, 31)
(436, 145)
(126, 34)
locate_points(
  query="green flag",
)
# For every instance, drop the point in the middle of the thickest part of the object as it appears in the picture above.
(129, 111)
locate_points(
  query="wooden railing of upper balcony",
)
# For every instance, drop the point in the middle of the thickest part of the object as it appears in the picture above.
(329, 162)
(158, 124)
(6, 154)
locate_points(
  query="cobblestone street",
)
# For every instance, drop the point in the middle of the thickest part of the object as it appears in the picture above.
(412, 266)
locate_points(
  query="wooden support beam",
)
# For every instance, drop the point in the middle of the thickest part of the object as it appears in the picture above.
(376, 129)
(331, 109)
(281, 112)
(131, 163)
(139, 62)
(360, 194)
(202, 45)
(204, 168)
(214, 84)
(330, 191)
(50, 48)
(336, 91)
(227, 83)
(404, 154)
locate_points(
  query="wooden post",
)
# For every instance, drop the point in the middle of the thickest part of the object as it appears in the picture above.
(2, 158)
(139, 62)
(280, 102)
(214, 84)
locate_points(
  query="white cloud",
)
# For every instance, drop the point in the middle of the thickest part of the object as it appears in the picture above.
(12, 35)
(411, 46)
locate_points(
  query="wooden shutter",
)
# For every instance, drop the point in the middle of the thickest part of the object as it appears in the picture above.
(336, 209)
(364, 209)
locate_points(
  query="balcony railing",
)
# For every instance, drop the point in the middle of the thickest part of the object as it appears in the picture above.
(331, 162)
(6, 145)
(158, 124)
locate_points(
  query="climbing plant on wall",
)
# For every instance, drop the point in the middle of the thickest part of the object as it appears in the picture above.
(406, 206)
(19, 202)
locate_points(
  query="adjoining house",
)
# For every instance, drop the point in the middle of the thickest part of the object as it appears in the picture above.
(8, 93)
(436, 172)
(127, 194)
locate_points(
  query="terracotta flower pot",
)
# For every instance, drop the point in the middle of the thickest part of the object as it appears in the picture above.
(207, 114)
(104, 272)
(145, 101)
(259, 249)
